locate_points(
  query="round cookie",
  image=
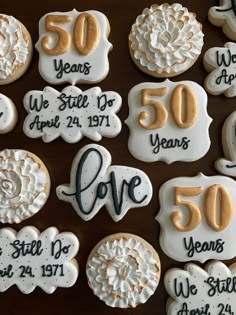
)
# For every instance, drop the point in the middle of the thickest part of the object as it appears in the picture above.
(123, 270)
(24, 185)
(15, 49)
(165, 40)
(8, 114)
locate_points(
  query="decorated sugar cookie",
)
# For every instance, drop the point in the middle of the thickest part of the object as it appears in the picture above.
(198, 213)
(15, 49)
(165, 40)
(227, 165)
(194, 290)
(24, 185)
(224, 15)
(71, 114)
(221, 63)
(94, 183)
(73, 47)
(30, 259)
(123, 270)
(165, 119)
(8, 114)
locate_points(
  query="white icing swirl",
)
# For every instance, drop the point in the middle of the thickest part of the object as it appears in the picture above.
(13, 46)
(166, 38)
(123, 273)
(22, 186)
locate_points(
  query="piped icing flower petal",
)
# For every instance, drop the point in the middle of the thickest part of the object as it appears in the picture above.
(166, 40)
(123, 271)
(24, 186)
(13, 46)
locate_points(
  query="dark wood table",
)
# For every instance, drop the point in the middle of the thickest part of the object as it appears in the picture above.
(58, 155)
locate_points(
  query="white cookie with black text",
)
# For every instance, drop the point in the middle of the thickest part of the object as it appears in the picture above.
(220, 62)
(30, 259)
(73, 47)
(95, 183)
(72, 114)
(194, 290)
(227, 165)
(165, 119)
(198, 213)
(8, 114)
(224, 16)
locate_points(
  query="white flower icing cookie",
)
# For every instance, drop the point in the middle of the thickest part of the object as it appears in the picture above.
(71, 114)
(221, 63)
(165, 119)
(15, 49)
(29, 259)
(94, 183)
(24, 185)
(73, 47)
(224, 16)
(227, 165)
(195, 290)
(123, 270)
(165, 40)
(8, 114)
(198, 213)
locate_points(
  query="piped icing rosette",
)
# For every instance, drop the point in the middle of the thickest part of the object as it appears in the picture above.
(165, 40)
(123, 270)
(24, 185)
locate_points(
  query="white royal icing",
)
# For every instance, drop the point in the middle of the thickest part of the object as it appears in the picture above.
(123, 273)
(13, 46)
(71, 114)
(22, 186)
(202, 242)
(227, 166)
(225, 16)
(221, 63)
(78, 68)
(29, 259)
(94, 183)
(8, 114)
(195, 290)
(168, 143)
(166, 38)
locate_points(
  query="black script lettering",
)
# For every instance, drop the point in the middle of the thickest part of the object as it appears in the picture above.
(37, 104)
(225, 78)
(164, 143)
(22, 248)
(1, 113)
(222, 59)
(204, 310)
(100, 190)
(62, 68)
(40, 125)
(198, 247)
(189, 289)
(218, 285)
(7, 272)
(69, 101)
(103, 102)
(58, 248)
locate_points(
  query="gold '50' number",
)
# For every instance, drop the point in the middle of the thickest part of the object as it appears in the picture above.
(216, 219)
(183, 107)
(85, 34)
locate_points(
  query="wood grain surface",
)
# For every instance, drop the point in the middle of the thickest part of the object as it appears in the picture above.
(58, 155)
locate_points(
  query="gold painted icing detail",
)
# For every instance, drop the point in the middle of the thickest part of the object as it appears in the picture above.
(86, 33)
(194, 213)
(64, 38)
(225, 207)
